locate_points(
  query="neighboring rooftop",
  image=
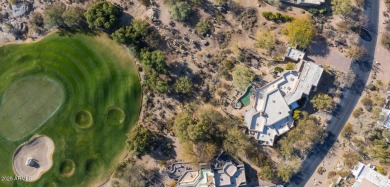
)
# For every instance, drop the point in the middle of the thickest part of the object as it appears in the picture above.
(295, 54)
(225, 171)
(202, 178)
(306, 2)
(230, 176)
(270, 114)
(384, 120)
(366, 176)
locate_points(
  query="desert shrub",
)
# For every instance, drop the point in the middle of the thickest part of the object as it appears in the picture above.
(13, 1)
(316, 11)
(385, 40)
(242, 77)
(183, 85)
(144, 2)
(180, 11)
(357, 112)
(290, 66)
(366, 101)
(53, 14)
(74, 17)
(266, 39)
(203, 27)
(140, 140)
(278, 17)
(278, 69)
(331, 174)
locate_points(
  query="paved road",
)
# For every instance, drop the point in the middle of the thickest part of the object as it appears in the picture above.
(350, 99)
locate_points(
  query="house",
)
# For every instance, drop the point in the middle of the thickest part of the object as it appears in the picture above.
(305, 2)
(271, 113)
(204, 177)
(295, 54)
(224, 171)
(366, 176)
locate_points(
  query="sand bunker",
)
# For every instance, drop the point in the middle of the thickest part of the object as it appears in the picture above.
(34, 158)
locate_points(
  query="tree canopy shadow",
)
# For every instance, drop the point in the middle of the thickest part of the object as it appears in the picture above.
(319, 48)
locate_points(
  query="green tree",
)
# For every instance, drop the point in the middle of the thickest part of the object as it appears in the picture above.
(242, 77)
(102, 14)
(180, 11)
(156, 83)
(236, 143)
(201, 131)
(153, 60)
(284, 172)
(182, 122)
(140, 140)
(183, 85)
(266, 173)
(265, 39)
(203, 27)
(342, 7)
(302, 138)
(53, 14)
(300, 31)
(205, 151)
(380, 150)
(74, 17)
(322, 101)
(132, 35)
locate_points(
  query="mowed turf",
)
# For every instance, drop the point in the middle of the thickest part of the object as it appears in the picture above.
(27, 104)
(95, 74)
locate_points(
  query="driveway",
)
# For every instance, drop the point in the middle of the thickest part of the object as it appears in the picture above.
(362, 70)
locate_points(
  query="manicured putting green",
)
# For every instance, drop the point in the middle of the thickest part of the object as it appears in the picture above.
(63, 87)
(28, 103)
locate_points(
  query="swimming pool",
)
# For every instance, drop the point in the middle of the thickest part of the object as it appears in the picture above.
(246, 98)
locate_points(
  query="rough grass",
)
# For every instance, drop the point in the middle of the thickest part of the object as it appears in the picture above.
(95, 74)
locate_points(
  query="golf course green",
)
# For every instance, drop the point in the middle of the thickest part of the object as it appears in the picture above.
(80, 90)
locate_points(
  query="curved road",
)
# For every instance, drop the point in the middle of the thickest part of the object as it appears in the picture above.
(362, 70)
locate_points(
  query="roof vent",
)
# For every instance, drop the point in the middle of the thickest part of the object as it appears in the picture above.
(280, 112)
(273, 101)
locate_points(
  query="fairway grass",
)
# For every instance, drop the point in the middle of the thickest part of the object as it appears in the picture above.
(81, 73)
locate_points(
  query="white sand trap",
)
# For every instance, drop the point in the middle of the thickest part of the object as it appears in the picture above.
(34, 158)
